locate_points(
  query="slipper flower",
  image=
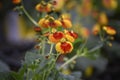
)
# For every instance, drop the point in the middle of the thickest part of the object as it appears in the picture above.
(66, 23)
(56, 37)
(71, 36)
(43, 23)
(96, 29)
(109, 30)
(43, 7)
(54, 23)
(64, 47)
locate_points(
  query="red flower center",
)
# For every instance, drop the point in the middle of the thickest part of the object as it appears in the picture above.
(73, 34)
(58, 35)
(52, 24)
(65, 47)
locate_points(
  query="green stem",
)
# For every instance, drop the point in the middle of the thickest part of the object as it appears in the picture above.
(51, 48)
(77, 55)
(27, 14)
(43, 75)
(43, 47)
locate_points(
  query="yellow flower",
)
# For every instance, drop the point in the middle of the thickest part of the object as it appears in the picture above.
(96, 29)
(89, 71)
(109, 30)
(70, 35)
(103, 19)
(69, 38)
(43, 7)
(56, 37)
(66, 23)
(64, 47)
(84, 32)
(110, 4)
(43, 23)
(54, 23)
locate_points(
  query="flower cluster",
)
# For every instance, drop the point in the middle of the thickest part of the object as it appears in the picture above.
(108, 30)
(43, 7)
(62, 39)
(49, 21)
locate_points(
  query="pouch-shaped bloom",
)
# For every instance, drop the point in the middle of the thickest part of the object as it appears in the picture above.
(109, 30)
(110, 4)
(64, 47)
(66, 23)
(16, 1)
(56, 37)
(54, 23)
(96, 29)
(43, 23)
(103, 18)
(43, 7)
(71, 36)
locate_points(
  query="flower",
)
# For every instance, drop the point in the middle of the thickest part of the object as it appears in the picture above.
(103, 19)
(16, 1)
(85, 8)
(43, 7)
(96, 29)
(71, 36)
(66, 23)
(43, 23)
(64, 47)
(50, 22)
(56, 37)
(109, 30)
(54, 23)
(85, 32)
(110, 4)
(59, 4)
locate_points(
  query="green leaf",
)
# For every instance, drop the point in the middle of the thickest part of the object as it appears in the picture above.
(17, 76)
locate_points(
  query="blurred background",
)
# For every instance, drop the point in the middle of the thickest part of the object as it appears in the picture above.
(17, 34)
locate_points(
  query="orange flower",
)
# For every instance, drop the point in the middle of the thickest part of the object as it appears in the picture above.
(110, 4)
(109, 30)
(96, 29)
(66, 23)
(43, 7)
(51, 22)
(56, 37)
(64, 47)
(16, 1)
(103, 19)
(54, 23)
(85, 32)
(43, 23)
(71, 36)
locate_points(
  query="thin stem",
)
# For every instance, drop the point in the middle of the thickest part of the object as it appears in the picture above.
(30, 18)
(43, 46)
(82, 54)
(69, 61)
(51, 48)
